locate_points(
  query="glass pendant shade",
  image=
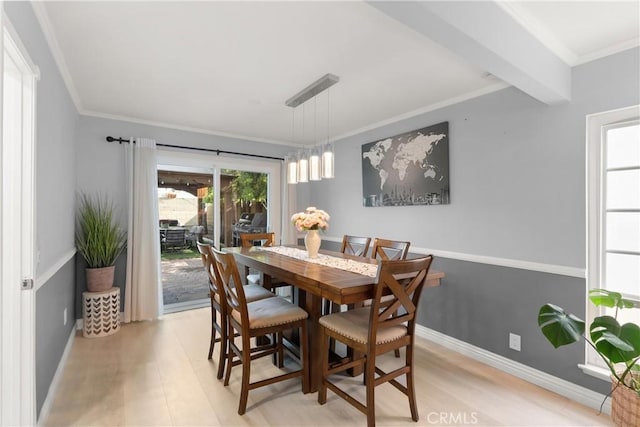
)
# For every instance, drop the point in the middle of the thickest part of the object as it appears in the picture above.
(327, 161)
(292, 169)
(314, 165)
(303, 168)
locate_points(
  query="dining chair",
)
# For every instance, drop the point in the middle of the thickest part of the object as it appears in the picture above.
(376, 330)
(351, 245)
(256, 319)
(389, 250)
(354, 245)
(252, 293)
(263, 239)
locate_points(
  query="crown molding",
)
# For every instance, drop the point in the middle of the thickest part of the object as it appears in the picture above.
(100, 115)
(611, 50)
(451, 101)
(426, 109)
(40, 11)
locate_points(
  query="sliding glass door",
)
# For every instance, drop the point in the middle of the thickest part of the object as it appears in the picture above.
(185, 207)
(210, 199)
(244, 204)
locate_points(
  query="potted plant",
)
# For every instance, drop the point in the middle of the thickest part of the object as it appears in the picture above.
(617, 345)
(99, 240)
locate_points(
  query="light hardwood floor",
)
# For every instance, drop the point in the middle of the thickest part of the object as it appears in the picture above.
(157, 374)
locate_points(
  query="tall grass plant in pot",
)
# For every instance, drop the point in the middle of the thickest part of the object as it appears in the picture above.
(617, 345)
(99, 240)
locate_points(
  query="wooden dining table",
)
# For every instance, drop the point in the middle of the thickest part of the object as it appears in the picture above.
(315, 282)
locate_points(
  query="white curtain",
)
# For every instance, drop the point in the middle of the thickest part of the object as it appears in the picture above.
(143, 298)
(289, 200)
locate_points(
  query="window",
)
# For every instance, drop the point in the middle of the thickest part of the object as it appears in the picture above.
(613, 214)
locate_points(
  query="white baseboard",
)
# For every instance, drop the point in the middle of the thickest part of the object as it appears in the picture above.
(565, 388)
(55, 382)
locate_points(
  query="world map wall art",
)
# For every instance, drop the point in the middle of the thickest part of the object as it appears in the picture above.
(408, 169)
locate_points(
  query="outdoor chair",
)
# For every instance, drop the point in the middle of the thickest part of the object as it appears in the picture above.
(174, 238)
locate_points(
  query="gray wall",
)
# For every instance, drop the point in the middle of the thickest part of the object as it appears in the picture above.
(51, 335)
(55, 198)
(517, 192)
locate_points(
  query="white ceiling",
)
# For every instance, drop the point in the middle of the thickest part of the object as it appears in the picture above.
(228, 67)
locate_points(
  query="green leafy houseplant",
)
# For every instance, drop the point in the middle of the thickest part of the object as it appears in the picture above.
(99, 240)
(617, 345)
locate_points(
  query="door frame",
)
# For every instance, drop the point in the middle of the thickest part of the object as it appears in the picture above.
(17, 234)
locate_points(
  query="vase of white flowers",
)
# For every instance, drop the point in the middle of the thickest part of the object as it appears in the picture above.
(312, 220)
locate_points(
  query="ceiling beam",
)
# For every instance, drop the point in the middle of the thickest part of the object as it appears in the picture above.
(484, 34)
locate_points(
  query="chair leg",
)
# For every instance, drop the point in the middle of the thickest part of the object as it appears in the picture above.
(280, 350)
(224, 342)
(213, 333)
(411, 389)
(231, 335)
(370, 384)
(324, 356)
(246, 375)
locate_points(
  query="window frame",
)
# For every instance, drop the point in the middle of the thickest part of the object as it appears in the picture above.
(596, 170)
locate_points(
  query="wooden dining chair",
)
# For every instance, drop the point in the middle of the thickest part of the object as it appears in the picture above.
(218, 309)
(354, 245)
(351, 245)
(257, 319)
(262, 239)
(389, 249)
(375, 330)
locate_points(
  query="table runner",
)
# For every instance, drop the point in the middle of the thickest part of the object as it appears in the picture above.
(353, 266)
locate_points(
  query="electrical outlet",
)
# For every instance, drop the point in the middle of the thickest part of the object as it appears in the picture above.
(514, 342)
(64, 314)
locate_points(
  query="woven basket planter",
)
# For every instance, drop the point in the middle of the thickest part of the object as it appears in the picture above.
(625, 406)
(100, 279)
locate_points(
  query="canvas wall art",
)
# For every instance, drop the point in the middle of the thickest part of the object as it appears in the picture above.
(407, 169)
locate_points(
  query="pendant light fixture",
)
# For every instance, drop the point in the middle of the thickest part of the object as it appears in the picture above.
(292, 169)
(303, 158)
(327, 151)
(315, 174)
(318, 162)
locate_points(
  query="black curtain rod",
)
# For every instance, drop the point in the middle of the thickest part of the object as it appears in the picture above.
(218, 152)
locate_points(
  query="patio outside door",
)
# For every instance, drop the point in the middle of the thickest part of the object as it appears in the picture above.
(185, 207)
(207, 198)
